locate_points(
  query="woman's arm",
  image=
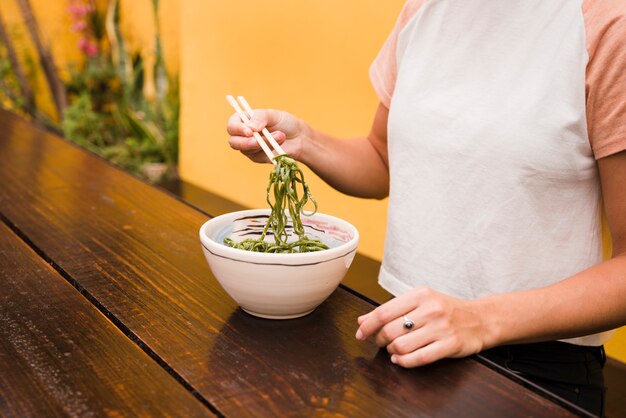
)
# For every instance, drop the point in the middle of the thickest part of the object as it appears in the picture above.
(357, 167)
(588, 302)
(591, 301)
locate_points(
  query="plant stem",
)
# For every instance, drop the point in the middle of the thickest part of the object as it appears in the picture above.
(57, 88)
(25, 90)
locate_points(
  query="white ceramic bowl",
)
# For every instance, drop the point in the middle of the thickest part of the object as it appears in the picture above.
(278, 286)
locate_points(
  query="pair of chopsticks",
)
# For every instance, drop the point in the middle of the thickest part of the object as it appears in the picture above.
(245, 118)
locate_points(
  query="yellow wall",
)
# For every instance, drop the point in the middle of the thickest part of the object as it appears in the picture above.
(616, 347)
(310, 57)
(137, 25)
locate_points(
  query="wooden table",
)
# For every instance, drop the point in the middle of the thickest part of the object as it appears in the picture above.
(108, 308)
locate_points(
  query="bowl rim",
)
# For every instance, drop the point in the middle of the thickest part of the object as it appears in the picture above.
(286, 259)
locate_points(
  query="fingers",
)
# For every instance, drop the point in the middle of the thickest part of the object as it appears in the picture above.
(362, 318)
(261, 118)
(251, 148)
(412, 340)
(381, 316)
(425, 355)
(242, 134)
(243, 144)
(264, 118)
(384, 314)
(395, 329)
(235, 127)
(284, 127)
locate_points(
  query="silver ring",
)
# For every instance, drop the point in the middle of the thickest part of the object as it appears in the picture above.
(408, 323)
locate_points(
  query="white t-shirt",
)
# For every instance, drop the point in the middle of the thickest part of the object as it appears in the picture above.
(494, 183)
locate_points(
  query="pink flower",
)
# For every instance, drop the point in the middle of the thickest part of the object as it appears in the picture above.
(91, 49)
(79, 26)
(83, 42)
(88, 47)
(79, 10)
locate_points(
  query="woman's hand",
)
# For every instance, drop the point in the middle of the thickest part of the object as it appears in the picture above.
(285, 128)
(444, 327)
(358, 167)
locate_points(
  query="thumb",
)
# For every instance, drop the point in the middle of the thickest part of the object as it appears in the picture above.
(264, 118)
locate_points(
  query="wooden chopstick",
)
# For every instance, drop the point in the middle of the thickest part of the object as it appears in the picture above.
(265, 132)
(245, 119)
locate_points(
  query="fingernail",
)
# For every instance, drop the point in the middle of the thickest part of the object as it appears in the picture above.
(252, 142)
(247, 131)
(359, 335)
(394, 360)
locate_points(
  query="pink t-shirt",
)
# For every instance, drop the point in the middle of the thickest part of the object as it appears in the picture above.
(497, 113)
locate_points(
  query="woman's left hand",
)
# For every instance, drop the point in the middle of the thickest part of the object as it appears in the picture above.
(444, 327)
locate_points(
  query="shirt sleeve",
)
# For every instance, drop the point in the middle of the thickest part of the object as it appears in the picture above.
(384, 68)
(606, 76)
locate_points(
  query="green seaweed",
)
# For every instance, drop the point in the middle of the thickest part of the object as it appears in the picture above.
(285, 179)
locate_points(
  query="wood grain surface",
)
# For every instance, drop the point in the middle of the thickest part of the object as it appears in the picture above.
(59, 356)
(134, 252)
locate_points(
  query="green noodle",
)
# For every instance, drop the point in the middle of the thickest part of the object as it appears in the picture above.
(283, 186)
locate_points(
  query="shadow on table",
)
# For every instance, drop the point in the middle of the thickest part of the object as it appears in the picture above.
(314, 365)
(281, 365)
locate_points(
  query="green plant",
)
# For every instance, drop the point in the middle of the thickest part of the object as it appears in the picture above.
(105, 105)
(17, 76)
(9, 87)
(138, 133)
(83, 125)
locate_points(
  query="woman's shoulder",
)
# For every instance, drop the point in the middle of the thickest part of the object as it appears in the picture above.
(607, 8)
(410, 9)
(605, 32)
(605, 22)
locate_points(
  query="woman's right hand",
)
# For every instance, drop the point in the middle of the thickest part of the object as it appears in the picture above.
(288, 131)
